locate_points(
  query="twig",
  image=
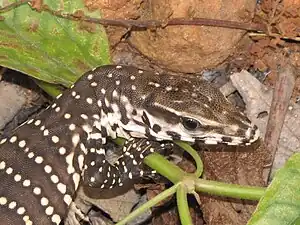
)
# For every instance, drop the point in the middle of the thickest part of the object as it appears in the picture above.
(281, 98)
(153, 24)
(13, 5)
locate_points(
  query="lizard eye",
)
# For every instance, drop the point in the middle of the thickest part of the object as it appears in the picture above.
(190, 124)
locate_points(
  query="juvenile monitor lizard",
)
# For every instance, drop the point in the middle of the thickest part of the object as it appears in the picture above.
(43, 161)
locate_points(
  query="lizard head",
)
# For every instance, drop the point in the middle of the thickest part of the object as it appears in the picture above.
(185, 108)
(170, 107)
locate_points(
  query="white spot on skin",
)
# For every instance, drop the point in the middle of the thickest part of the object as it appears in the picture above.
(83, 116)
(44, 201)
(103, 91)
(22, 144)
(90, 76)
(13, 139)
(49, 210)
(109, 75)
(9, 170)
(132, 77)
(97, 117)
(26, 183)
(83, 148)
(3, 200)
(53, 105)
(42, 128)
(73, 93)
(62, 150)
(119, 67)
(77, 97)
(69, 161)
(46, 132)
(101, 151)
(140, 71)
(30, 155)
(39, 159)
(67, 199)
(17, 177)
(80, 161)
(94, 84)
(37, 122)
(133, 87)
(27, 220)
(56, 219)
(62, 188)
(55, 139)
(54, 179)
(75, 139)
(168, 88)
(48, 169)
(21, 210)
(37, 191)
(115, 94)
(67, 116)
(3, 141)
(12, 205)
(76, 179)
(118, 82)
(72, 127)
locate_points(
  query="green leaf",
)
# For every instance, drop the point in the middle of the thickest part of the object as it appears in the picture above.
(49, 48)
(281, 202)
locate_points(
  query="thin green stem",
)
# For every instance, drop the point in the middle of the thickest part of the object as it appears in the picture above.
(182, 204)
(229, 190)
(165, 194)
(164, 167)
(194, 154)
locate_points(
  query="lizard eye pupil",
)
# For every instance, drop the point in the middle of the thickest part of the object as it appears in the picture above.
(190, 124)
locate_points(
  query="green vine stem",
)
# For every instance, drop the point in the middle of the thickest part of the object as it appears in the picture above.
(182, 204)
(229, 190)
(164, 167)
(194, 154)
(152, 202)
(175, 174)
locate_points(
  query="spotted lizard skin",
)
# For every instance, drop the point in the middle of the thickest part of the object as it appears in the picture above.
(45, 160)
